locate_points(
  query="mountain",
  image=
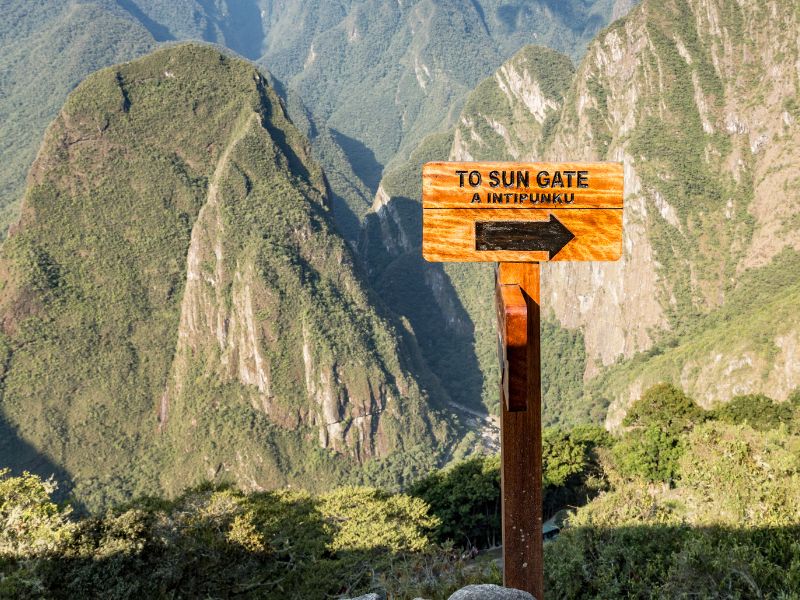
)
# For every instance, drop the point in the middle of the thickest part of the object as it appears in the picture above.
(177, 305)
(381, 74)
(46, 48)
(371, 77)
(451, 305)
(698, 99)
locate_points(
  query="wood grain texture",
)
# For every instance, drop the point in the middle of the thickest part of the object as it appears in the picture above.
(521, 452)
(443, 187)
(586, 198)
(449, 235)
(512, 329)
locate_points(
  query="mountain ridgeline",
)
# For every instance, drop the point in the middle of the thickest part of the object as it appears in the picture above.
(368, 78)
(177, 307)
(698, 99)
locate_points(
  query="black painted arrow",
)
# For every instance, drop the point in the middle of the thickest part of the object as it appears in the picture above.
(549, 236)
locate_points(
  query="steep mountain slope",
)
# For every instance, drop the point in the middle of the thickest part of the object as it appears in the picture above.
(678, 91)
(46, 48)
(383, 74)
(177, 307)
(513, 110)
(699, 100)
(236, 24)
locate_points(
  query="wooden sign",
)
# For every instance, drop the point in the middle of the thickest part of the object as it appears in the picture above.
(521, 212)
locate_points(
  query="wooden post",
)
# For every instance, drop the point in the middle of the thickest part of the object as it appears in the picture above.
(521, 448)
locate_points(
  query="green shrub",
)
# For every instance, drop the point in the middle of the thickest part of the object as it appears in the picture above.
(665, 406)
(31, 524)
(466, 496)
(728, 529)
(652, 446)
(650, 454)
(758, 411)
(466, 500)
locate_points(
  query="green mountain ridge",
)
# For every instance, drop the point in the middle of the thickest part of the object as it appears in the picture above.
(46, 48)
(178, 306)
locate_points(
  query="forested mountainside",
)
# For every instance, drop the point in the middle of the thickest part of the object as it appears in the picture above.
(46, 48)
(699, 99)
(178, 307)
(372, 77)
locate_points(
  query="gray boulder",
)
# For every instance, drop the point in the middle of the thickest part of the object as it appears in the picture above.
(490, 592)
(372, 596)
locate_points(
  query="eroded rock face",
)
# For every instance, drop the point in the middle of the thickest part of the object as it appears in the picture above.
(697, 99)
(235, 322)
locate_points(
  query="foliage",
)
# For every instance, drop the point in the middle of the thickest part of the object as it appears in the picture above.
(215, 540)
(563, 366)
(652, 446)
(369, 519)
(760, 412)
(466, 496)
(466, 500)
(728, 529)
(651, 453)
(31, 524)
(666, 407)
(563, 457)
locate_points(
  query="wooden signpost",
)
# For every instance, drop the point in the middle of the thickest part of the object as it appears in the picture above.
(521, 214)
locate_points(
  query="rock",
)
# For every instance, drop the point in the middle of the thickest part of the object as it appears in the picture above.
(490, 592)
(372, 596)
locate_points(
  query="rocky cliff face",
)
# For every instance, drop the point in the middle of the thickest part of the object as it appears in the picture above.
(697, 99)
(693, 97)
(176, 296)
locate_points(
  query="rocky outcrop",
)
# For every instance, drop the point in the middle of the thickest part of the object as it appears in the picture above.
(507, 115)
(473, 592)
(489, 592)
(697, 99)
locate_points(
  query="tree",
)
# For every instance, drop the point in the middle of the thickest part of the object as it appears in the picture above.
(652, 446)
(667, 407)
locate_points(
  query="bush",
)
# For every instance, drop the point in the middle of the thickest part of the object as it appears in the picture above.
(652, 446)
(466, 500)
(728, 529)
(758, 411)
(31, 524)
(665, 406)
(466, 496)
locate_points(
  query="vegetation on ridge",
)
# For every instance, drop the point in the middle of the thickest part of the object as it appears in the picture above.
(724, 525)
(178, 306)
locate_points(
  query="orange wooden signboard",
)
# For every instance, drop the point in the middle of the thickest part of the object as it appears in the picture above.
(521, 212)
